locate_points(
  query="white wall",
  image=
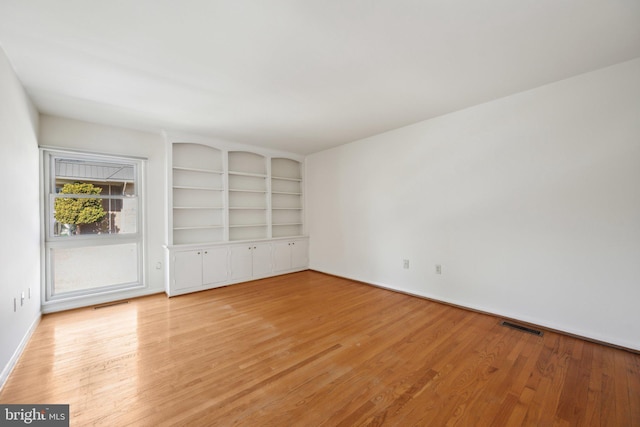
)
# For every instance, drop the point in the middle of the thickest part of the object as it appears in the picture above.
(531, 203)
(90, 137)
(19, 216)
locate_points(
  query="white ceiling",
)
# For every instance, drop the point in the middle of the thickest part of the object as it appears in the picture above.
(300, 75)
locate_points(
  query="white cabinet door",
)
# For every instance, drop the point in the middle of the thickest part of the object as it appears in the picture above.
(215, 265)
(241, 262)
(261, 259)
(290, 255)
(250, 260)
(187, 269)
(281, 256)
(299, 254)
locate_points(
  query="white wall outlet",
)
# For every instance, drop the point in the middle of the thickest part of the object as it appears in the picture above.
(438, 269)
(405, 264)
(158, 265)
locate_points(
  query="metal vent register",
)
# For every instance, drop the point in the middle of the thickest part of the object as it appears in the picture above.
(522, 328)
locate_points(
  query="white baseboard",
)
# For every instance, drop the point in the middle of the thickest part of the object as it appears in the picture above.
(6, 371)
(586, 335)
(88, 301)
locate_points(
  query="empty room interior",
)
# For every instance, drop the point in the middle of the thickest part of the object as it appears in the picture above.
(331, 213)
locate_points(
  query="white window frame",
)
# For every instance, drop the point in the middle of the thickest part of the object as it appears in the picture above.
(52, 242)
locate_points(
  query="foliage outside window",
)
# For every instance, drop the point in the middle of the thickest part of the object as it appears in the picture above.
(77, 211)
(93, 197)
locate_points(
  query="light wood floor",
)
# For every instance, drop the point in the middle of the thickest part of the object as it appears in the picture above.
(309, 349)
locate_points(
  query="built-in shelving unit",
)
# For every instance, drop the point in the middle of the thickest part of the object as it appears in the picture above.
(233, 215)
(247, 196)
(197, 194)
(286, 197)
(220, 195)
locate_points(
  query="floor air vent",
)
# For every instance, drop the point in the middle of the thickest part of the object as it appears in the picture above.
(522, 328)
(111, 304)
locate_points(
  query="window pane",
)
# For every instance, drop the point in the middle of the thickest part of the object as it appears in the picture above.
(106, 202)
(91, 216)
(89, 267)
(115, 178)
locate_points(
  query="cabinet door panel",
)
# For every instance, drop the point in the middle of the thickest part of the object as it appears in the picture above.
(215, 265)
(281, 256)
(299, 254)
(261, 259)
(241, 262)
(187, 269)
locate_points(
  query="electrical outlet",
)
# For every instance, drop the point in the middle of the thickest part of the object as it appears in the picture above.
(438, 269)
(158, 266)
(405, 264)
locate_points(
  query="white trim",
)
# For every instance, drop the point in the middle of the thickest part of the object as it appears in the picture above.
(81, 152)
(225, 145)
(115, 295)
(13, 361)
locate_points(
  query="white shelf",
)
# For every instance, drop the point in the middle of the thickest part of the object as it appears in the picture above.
(255, 175)
(197, 207)
(187, 169)
(198, 227)
(286, 179)
(286, 192)
(247, 225)
(188, 187)
(255, 208)
(197, 235)
(237, 190)
(286, 231)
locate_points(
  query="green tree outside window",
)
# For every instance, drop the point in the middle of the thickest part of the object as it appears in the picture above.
(79, 211)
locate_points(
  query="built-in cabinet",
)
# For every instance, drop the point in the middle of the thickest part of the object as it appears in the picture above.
(195, 269)
(251, 260)
(200, 268)
(234, 215)
(289, 255)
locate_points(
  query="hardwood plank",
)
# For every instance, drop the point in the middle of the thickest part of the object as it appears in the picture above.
(311, 349)
(633, 377)
(622, 396)
(575, 389)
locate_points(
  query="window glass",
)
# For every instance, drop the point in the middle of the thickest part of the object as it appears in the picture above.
(93, 197)
(90, 267)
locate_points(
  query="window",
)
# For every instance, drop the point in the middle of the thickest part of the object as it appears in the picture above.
(93, 227)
